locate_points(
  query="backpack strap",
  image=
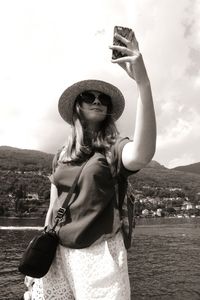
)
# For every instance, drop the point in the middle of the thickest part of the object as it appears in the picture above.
(131, 214)
(128, 199)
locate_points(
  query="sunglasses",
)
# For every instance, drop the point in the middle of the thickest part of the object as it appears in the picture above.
(89, 98)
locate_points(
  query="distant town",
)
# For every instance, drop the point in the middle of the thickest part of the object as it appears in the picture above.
(157, 190)
(26, 194)
(173, 203)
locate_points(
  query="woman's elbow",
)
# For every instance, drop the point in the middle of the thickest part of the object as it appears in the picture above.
(144, 160)
(149, 156)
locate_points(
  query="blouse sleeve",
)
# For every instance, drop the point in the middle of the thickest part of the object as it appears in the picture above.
(117, 156)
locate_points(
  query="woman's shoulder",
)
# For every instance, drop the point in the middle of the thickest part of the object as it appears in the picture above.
(116, 154)
(57, 157)
(120, 143)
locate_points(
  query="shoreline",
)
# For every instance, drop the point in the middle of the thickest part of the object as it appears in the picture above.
(21, 218)
(140, 218)
(38, 224)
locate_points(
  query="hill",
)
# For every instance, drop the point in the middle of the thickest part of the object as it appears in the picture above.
(25, 172)
(154, 174)
(32, 160)
(165, 178)
(155, 164)
(24, 160)
(192, 168)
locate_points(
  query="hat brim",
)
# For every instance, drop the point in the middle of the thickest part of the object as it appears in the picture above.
(68, 97)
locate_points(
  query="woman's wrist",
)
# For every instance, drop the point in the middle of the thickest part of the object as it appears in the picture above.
(141, 76)
(144, 82)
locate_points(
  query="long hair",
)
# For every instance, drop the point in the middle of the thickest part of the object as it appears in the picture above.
(80, 146)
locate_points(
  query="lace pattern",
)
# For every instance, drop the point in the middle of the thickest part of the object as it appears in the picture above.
(97, 272)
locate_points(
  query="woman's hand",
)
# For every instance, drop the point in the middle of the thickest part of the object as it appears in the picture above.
(132, 63)
(139, 152)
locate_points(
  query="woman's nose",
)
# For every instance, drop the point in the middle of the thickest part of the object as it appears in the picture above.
(96, 101)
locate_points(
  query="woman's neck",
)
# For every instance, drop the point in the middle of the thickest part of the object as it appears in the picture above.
(90, 135)
(91, 131)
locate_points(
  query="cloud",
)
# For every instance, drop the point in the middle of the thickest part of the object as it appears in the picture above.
(192, 29)
(175, 134)
(180, 140)
(184, 159)
(46, 50)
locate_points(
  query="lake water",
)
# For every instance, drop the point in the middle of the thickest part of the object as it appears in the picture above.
(164, 261)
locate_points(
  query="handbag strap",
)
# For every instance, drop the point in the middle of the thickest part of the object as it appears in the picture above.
(62, 210)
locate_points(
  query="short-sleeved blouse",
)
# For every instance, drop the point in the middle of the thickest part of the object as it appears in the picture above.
(94, 214)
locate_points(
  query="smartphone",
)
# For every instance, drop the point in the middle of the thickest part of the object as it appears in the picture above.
(125, 32)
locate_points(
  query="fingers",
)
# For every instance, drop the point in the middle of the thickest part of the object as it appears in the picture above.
(124, 59)
(130, 43)
(122, 49)
(122, 39)
(123, 65)
(126, 41)
(127, 68)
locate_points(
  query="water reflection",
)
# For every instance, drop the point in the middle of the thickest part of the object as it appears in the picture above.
(163, 262)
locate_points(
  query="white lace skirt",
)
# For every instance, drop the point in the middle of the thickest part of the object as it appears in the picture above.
(97, 272)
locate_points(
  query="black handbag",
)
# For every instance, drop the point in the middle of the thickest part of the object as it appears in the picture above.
(38, 256)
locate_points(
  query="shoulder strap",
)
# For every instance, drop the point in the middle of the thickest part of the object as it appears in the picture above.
(66, 204)
(71, 191)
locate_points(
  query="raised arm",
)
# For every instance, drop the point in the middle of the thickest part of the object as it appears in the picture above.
(137, 154)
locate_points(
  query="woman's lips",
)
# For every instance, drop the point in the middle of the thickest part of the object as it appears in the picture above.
(96, 109)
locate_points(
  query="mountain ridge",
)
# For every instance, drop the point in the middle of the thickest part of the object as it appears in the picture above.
(191, 168)
(36, 159)
(27, 171)
(10, 148)
(12, 158)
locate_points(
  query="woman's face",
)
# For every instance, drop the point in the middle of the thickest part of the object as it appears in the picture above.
(94, 106)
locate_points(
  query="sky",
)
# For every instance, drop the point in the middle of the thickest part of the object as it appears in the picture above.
(47, 45)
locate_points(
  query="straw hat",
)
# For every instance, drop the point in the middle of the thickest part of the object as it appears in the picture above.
(67, 99)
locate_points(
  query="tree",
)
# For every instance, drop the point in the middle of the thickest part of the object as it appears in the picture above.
(2, 210)
(19, 194)
(46, 195)
(170, 210)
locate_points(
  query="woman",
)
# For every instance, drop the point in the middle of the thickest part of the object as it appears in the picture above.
(91, 261)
